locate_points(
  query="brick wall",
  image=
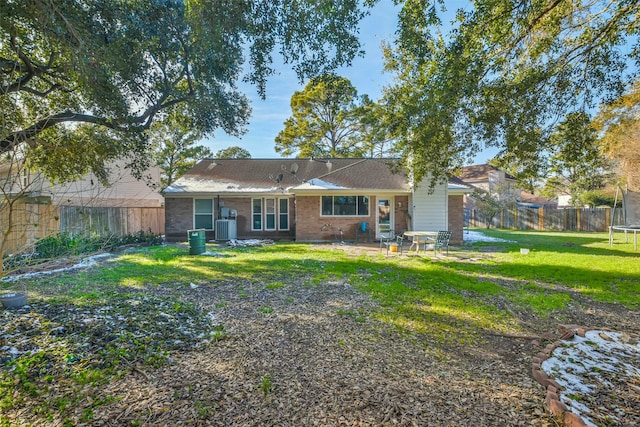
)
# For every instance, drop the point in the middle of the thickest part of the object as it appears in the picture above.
(178, 218)
(243, 220)
(309, 222)
(305, 222)
(456, 218)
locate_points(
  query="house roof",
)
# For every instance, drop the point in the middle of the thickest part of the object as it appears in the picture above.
(480, 173)
(276, 175)
(295, 175)
(458, 186)
(533, 200)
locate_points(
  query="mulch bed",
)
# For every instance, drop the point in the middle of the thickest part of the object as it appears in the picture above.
(326, 361)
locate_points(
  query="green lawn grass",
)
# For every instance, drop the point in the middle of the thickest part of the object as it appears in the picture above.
(584, 262)
(448, 301)
(465, 286)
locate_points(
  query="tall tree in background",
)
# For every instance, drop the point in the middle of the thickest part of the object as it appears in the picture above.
(234, 152)
(175, 148)
(576, 165)
(325, 121)
(376, 133)
(503, 74)
(81, 81)
(619, 123)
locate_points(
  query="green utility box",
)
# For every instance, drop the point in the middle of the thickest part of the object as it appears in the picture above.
(197, 242)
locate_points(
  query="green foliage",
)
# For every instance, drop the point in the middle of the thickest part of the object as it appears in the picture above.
(576, 164)
(598, 198)
(175, 147)
(112, 68)
(325, 121)
(500, 73)
(528, 170)
(265, 310)
(266, 384)
(234, 152)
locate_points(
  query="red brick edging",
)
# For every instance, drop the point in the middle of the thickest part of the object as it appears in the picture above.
(552, 401)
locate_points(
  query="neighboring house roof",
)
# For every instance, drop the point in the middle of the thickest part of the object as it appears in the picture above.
(535, 201)
(292, 175)
(480, 173)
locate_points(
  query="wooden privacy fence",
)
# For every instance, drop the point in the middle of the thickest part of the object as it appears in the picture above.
(116, 221)
(32, 222)
(549, 219)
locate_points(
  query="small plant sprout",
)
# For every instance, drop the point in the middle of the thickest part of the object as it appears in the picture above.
(266, 310)
(266, 385)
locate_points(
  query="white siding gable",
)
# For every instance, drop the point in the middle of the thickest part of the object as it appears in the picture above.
(430, 210)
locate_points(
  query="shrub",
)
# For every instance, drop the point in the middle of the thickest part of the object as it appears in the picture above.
(65, 244)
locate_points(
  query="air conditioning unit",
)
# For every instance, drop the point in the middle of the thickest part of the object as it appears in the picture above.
(226, 229)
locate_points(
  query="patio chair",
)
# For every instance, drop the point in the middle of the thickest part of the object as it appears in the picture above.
(390, 238)
(441, 241)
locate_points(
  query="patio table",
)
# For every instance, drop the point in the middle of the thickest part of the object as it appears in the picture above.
(418, 237)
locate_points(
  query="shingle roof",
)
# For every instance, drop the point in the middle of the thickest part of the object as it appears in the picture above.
(269, 175)
(479, 173)
(529, 198)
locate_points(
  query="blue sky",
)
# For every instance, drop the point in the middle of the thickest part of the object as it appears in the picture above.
(365, 73)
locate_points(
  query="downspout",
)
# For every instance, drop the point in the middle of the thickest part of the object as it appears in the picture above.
(294, 220)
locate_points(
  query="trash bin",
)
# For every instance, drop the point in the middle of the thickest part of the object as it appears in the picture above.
(197, 242)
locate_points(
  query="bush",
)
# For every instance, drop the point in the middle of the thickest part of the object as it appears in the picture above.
(65, 244)
(598, 198)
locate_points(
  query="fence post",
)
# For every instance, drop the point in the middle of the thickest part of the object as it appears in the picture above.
(540, 219)
(578, 219)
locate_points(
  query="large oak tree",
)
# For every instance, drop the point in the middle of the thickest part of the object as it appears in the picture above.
(81, 81)
(502, 74)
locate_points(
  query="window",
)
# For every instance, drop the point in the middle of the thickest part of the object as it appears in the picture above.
(256, 214)
(270, 214)
(283, 214)
(345, 205)
(203, 214)
(276, 214)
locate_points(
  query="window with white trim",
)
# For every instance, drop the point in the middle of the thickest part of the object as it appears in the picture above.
(203, 213)
(269, 214)
(256, 214)
(283, 214)
(345, 205)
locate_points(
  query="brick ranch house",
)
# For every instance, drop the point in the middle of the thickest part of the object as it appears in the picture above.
(307, 200)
